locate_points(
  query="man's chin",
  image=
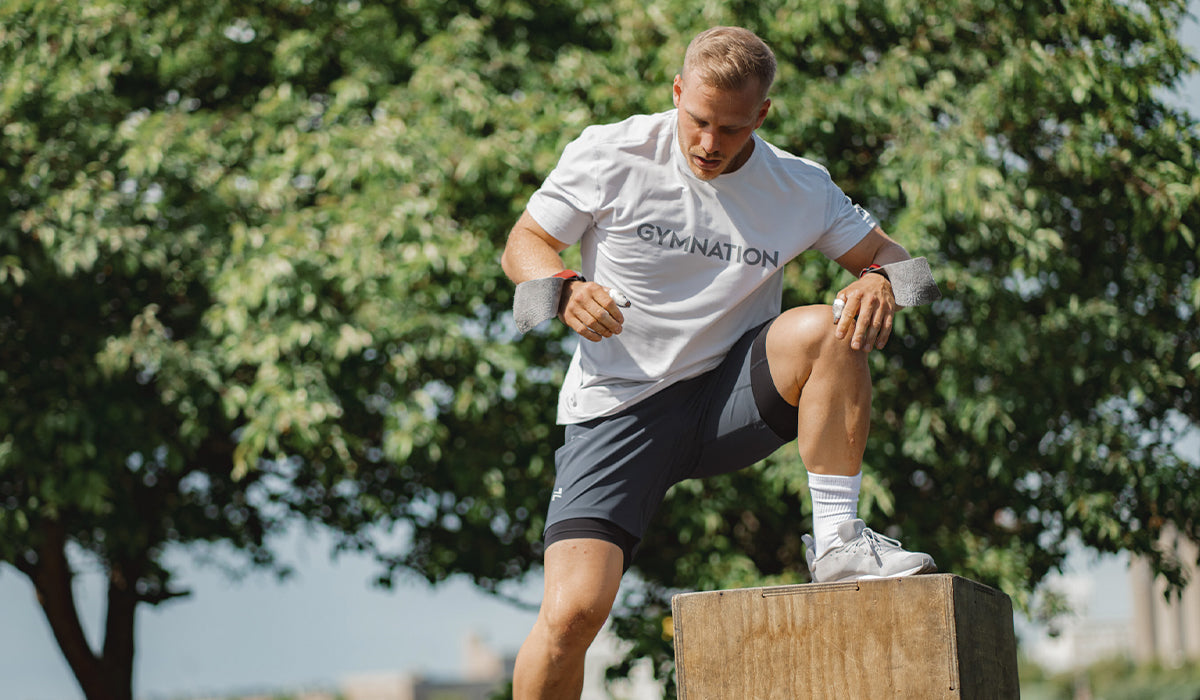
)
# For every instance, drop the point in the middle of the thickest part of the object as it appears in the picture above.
(705, 173)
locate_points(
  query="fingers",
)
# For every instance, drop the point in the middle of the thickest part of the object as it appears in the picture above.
(590, 311)
(866, 319)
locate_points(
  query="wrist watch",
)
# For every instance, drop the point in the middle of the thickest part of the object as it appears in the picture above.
(873, 268)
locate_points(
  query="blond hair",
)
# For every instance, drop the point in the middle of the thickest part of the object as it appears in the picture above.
(728, 58)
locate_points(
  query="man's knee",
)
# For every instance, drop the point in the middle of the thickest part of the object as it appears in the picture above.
(573, 621)
(582, 579)
(808, 334)
(804, 327)
(804, 340)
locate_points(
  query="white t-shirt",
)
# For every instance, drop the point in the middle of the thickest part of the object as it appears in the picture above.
(700, 261)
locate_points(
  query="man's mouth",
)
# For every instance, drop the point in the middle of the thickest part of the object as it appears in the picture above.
(706, 163)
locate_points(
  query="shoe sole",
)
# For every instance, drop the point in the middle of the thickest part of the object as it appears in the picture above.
(916, 570)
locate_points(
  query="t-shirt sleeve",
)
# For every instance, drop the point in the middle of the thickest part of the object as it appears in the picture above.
(565, 202)
(846, 224)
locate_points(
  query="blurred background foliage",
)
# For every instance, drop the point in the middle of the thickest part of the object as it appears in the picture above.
(248, 274)
(1119, 679)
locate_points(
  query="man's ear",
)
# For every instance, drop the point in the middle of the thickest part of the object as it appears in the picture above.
(762, 112)
(676, 89)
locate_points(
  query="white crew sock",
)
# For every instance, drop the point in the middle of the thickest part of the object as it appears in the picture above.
(834, 501)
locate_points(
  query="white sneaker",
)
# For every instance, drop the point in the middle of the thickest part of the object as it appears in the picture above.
(864, 554)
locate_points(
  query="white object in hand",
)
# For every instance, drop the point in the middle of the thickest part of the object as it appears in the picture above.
(838, 306)
(621, 299)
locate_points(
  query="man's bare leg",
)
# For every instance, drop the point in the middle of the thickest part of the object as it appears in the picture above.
(582, 578)
(829, 383)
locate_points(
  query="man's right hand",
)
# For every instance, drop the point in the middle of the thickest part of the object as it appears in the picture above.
(589, 310)
(586, 307)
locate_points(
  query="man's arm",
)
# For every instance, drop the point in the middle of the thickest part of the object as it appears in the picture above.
(870, 303)
(532, 253)
(876, 248)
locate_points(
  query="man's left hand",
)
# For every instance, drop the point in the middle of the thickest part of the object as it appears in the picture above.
(870, 309)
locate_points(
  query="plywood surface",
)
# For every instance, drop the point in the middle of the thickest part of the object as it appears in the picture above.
(938, 636)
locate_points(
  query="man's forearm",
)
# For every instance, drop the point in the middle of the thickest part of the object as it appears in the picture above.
(890, 252)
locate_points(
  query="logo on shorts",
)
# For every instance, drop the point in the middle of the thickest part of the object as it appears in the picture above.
(557, 494)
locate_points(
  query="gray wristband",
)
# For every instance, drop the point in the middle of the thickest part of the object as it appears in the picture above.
(912, 282)
(536, 301)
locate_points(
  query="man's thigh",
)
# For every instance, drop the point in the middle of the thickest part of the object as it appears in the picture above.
(618, 468)
(747, 419)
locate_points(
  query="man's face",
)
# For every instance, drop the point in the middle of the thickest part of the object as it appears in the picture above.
(715, 125)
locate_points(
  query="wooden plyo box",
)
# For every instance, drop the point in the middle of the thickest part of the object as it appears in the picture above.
(924, 637)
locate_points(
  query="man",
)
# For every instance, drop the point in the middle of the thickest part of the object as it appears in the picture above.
(691, 216)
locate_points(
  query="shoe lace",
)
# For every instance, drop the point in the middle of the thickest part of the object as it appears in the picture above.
(876, 542)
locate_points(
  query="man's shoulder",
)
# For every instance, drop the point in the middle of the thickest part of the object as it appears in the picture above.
(638, 143)
(631, 131)
(794, 164)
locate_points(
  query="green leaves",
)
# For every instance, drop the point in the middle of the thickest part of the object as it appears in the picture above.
(248, 272)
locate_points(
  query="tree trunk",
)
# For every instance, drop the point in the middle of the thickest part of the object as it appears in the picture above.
(118, 628)
(107, 678)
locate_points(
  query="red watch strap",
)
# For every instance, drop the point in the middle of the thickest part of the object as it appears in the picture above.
(877, 269)
(568, 275)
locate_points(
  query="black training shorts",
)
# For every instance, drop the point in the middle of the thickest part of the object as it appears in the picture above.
(612, 472)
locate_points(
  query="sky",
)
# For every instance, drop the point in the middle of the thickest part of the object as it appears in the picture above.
(255, 635)
(328, 623)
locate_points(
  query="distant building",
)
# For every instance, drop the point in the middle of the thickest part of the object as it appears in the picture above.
(409, 686)
(486, 672)
(1167, 631)
(1156, 629)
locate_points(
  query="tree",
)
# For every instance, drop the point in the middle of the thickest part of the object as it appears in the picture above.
(248, 273)
(246, 278)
